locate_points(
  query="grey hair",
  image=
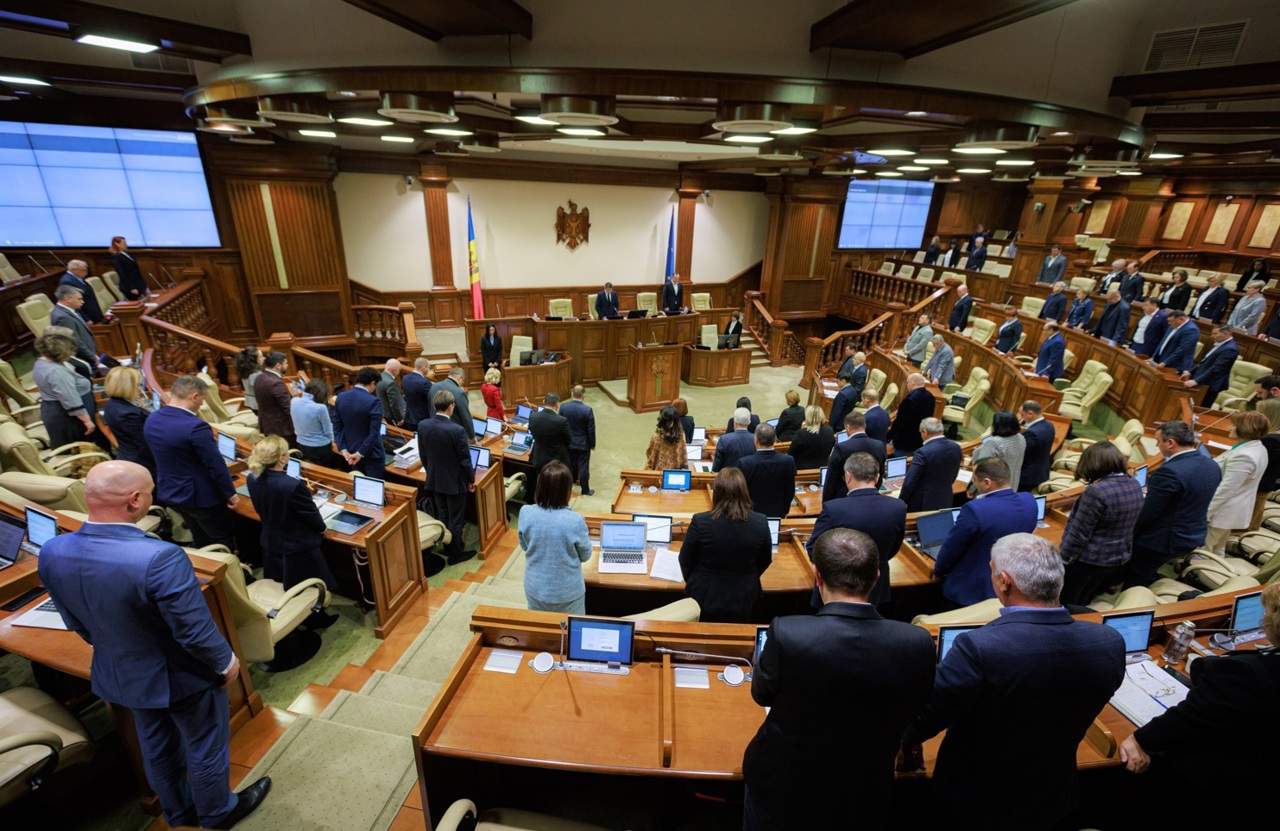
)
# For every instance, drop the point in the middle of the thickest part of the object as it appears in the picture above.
(64, 291)
(77, 264)
(457, 373)
(931, 426)
(1059, 285)
(1256, 284)
(938, 339)
(742, 416)
(1032, 563)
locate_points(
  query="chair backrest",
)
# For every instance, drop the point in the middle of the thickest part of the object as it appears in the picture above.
(875, 380)
(1101, 383)
(710, 335)
(112, 281)
(647, 300)
(560, 307)
(19, 452)
(886, 267)
(925, 275)
(238, 430)
(976, 376)
(1067, 357)
(1240, 384)
(252, 624)
(589, 301)
(519, 343)
(1088, 372)
(907, 271)
(1021, 339)
(998, 269)
(213, 398)
(983, 329)
(1032, 306)
(994, 250)
(105, 298)
(11, 387)
(1197, 281)
(35, 314)
(918, 257)
(1086, 283)
(7, 272)
(979, 395)
(57, 493)
(889, 396)
(1199, 349)
(701, 301)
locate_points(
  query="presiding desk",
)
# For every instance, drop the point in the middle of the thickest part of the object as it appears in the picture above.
(531, 383)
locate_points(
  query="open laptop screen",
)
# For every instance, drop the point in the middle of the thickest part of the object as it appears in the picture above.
(693, 452)
(520, 439)
(1246, 614)
(1134, 627)
(524, 411)
(480, 457)
(775, 526)
(41, 527)
(1140, 475)
(896, 468)
(822, 477)
(227, 447)
(933, 528)
(294, 468)
(10, 541)
(370, 490)
(493, 426)
(600, 640)
(1040, 508)
(762, 635)
(699, 434)
(479, 427)
(623, 536)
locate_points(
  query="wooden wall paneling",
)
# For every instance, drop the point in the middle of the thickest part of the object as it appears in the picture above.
(1172, 214)
(1222, 222)
(250, 219)
(684, 230)
(1265, 213)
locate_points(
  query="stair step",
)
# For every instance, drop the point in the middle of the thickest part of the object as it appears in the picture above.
(400, 689)
(313, 700)
(366, 713)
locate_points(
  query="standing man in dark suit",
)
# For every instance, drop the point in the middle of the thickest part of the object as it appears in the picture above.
(933, 470)
(76, 277)
(156, 649)
(1035, 672)
(1113, 323)
(1174, 518)
(607, 302)
(858, 375)
(442, 446)
(551, 439)
(191, 475)
(357, 425)
(844, 402)
(1049, 359)
(1055, 305)
(979, 233)
(960, 311)
(734, 326)
(1010, 332)
(904, 433)
(390, 396)
(582, 433)
(846, 366)
(67, 313)
(1151, 328)
(1214, 369)
(770, 475)
(863, 508)
(673, 296)
(275, 398)
(964, 562)
(1038, 456)
(417, 393)
(1177, 350)
(877, 417)
(855, 440)
(735, 445)
(461, 404)
(811, 668)
(977, 255)
(1211, 305)
(1131, 283)
(1113, 277)
(1054, 266)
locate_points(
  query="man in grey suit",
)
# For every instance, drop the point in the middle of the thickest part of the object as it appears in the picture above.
(1053, 267)
(941, 369)
(67, 313)
(918, 340)
(461, 406)
(388, 392)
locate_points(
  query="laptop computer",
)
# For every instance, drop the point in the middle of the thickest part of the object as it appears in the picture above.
(676, 480)
(693, 452)
(521, 443)
(895, 472)
(657, 528)
(523, 411)
(600, 645)
(622, 547)
(44, 616)
(347, 522)
(933, 529)
(1246, 623)
(480, 459)
(947, 636)
(479, 427)
(775, 528)
(41, 528)
(1140, 476)
(10, 544)
(762, 637)
(699, 435)
(728, 341)
(635, 314)
(1040, 523)
(227, 447)
(773, 422)
(1204, 450)
(1135, 628)
(369, 492)
(493, 426)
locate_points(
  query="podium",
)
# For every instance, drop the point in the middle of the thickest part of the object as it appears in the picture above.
(653, 379)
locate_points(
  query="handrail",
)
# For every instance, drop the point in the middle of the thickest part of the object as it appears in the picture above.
(779, 343)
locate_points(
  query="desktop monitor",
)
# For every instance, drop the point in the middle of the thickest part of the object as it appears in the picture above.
(294, 468)
(369, 490)
(1140, 475)
(1134, 627)
(699, 435)
(693, 452)
(1246, 613)
(762, 636)
(822, 477)
(775, 526)
(599, 640)
(493, 426)
(227, 447)
(896, 468)
(1040, 508)
(676, 480)
(41, 527)
(657, 528)
(479, 427)
(947, 637)
(481, 458)
(523, 411)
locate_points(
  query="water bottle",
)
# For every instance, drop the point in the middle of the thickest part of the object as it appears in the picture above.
(1179, 642)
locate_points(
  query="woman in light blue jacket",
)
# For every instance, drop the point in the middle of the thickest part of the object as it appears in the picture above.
(555, 544)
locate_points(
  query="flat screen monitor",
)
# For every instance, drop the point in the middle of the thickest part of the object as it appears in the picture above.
(294, 468)
(227, 447)
(773, 422)
(493, 426)
(1040, 508)
(523, 411)
(933, 528)
(896, 467)
(947, 637)
(1134, 627)
(481, 458)
(728, 341)
(1246, 613)
(1140, 475)
(676, 480)
(822, 477)
(699, 434)
(601, 641)
(41, 527)
(657, 528)
(693, 452)
(775, 526)
(762, 635)
(479, 427)
(521, 439)
(369, 490)
(156, 402)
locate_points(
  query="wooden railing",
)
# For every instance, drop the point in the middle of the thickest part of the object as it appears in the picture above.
(386, 332)
(779, 343)
(180, 331)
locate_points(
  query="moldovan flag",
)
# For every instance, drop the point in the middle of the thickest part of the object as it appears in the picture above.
(473, 267)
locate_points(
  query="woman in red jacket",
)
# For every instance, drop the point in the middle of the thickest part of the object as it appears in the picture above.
(491, 390)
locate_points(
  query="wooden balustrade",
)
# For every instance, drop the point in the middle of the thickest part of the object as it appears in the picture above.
(386, 332)
(779, 343)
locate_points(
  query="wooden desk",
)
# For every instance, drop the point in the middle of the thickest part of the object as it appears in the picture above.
(653, 380)
(716, 367)
(678, 504)
(531, 383)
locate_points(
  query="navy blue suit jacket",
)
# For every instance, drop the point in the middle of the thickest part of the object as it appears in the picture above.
(1080, 313)
(1157, 328)
(1131, 287)
(1214, 370)
(1213, 307)
(291, 522)
(1173, 517)
(878, 423)
(189, 470)
(964, 563)
(136, 599)
(606, 304)
(977, 259)
(771, 481)
(1113, 325)
(857, 443)
(417, 399)
(846, 400)
(1054, 308)
(1008, 336)
(1038, 457)
(582, 424)
(127, 421)
(1038, 673)
(1180, 352)
(357, 422)
(672, 297)
(960, 313)
(731, 447)
(904, 435)
(931, 475)
(1049, 360)
(883, 518)
(90, 311)
(442, 446)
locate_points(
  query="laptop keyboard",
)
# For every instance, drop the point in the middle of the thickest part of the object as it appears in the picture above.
(47, 606)
(30, 548)
(622, 557)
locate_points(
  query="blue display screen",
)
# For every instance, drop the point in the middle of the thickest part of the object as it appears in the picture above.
(881, 214)
(600, 640)
(70, 186)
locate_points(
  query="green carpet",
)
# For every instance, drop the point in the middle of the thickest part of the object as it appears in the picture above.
(447, 638)
(355, 710)
(400, 689)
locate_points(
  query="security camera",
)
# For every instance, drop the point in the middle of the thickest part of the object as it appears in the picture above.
(408, 181)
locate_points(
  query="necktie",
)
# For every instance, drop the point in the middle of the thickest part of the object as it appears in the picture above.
(1160, 349)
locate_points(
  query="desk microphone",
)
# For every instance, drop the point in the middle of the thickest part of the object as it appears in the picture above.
(564, 627)
(55, 256)
(159, 285)
(497, 303)
(733, 678)
(172, 282)
(1211, 424)
(39, 268)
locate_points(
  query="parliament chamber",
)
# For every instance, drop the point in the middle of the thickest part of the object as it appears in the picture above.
(580, 229)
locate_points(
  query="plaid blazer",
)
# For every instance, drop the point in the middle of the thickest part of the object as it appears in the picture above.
(1099, 531)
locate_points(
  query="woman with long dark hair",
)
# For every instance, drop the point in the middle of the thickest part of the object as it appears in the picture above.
(725, 551)
(491, 348)
(666, 445)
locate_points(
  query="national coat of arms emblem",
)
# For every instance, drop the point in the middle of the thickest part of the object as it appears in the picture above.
(572, 226)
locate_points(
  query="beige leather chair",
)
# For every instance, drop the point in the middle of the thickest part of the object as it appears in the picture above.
(1136, 597)
(432, 531)
(58, 493)
(560, 307)
(998, 269)
(238, 430)
(994, 250)
(886, 267)
(889, 396)
(230, 410)
(982, 330)
(963, 415)
(35, 315)
(7, 275)
(984, 612)
(35, 429)
(103, 294)
(41, 298)
(1079, 409)
(1168, 590)
(112, 281)
(1086, 283)
(918, 257)
(38, 738)
(648, 300)
(701, 301)
(1076, 388)
(519, 343)
(710, 336)
(14, 388)
(589, 300)
(265, 614)
(1128, 441)
(1213, 570)
(925, 275)
(875, 380)
(1240, 385)
(976, 376)
(907, 271)
(463, 816)
(685, 610)
(19, 452)
(1032, 306)
(513, 485)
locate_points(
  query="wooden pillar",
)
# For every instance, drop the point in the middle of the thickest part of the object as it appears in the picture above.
(1049, 217)
(435, 183)
(689, 192)
(1144, 203)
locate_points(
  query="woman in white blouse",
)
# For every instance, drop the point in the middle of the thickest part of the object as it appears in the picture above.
(1242, 469)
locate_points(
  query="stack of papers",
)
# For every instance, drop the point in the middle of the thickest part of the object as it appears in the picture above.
(666, 566)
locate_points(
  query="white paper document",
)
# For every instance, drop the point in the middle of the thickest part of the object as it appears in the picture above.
(666, 566)
(1146, 692)
(504, 660)
(965, 476)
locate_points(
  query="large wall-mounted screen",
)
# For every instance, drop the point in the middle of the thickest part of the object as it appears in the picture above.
(62, 185)
(885, 214)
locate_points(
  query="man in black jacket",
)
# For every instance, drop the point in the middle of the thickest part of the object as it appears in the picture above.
(582, 432)
(443, 448)
(855, 440)
(1113, 324)
(1055, 305)
(1038, 456)
(904, 433)
(551, 440)
(607, 303)
(960, 311)
(770, 475)
(863, 508)
(933, 470)
(417, 393)
(811, 668)
(673, 296)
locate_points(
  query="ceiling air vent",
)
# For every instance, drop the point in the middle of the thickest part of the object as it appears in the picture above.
(1215, 45)
(160, 63)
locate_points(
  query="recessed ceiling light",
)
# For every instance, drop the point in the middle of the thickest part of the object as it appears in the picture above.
(346, 93)
(1129, 172)
(362, 121)
(535, 118)
(892, 151)
(400, 139)
(318, 133)
(448, 131)
(1015, 162)
(915, 113)
(222, 128)
(933, 161)
(20, 79)
(748, 138)
(888, 173)
(117, 43)
(912, 168)
(1152, 156)
(1060, 133)
(973, 170)
(582, 131)
(945, 179)
(799, 127)
(979, 150)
